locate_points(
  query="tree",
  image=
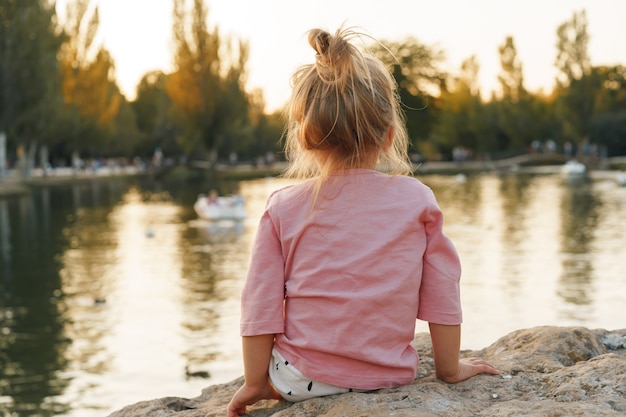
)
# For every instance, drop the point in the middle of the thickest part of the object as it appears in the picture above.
(88, 79)
(511, 77)
(233, 110)
(267, 128)
(572, 58)
(125, 138)
(574, 86)
(29, 88)
(461, 121)
(610, 88)
(513, 109)
(268, 134)
(206, 87)
(608, 125)
(609, 130)
(153, 111)
(416, 69)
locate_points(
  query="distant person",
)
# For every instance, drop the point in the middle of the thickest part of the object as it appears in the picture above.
(568, 149)
(535, 146)
(213, 197)
(237, 197)
(344, 262)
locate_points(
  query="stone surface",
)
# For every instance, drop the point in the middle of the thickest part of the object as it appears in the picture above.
(545, 371)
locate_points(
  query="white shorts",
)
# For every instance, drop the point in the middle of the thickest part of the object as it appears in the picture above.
(293, 386)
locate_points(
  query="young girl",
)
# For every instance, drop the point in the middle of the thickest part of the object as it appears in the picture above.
(344, 262)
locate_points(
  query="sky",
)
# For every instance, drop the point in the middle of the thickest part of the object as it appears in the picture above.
(137, 33)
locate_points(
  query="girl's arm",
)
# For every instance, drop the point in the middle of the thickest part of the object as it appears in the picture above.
(446, 342)
(257, 351)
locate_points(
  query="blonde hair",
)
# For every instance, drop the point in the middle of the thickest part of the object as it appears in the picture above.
(341, 111)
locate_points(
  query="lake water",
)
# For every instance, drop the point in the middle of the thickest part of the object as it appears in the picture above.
(110, 289)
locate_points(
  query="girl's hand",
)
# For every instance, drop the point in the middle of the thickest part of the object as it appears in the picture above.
(470, 367)
(248, 395)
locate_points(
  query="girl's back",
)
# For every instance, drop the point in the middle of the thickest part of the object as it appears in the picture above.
(353, 268)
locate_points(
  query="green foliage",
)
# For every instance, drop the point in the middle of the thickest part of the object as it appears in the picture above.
(446, 111)
(609, 130)
(416, 67)
(29, 72)
(154, 118)
(609, 87)
(574, 106)
(88, 83)
(511, 77)
(572, 58)
(207, 88)
(124, 139)
(268, 133)
(461, 119)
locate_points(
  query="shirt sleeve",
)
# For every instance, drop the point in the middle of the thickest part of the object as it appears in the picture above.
(439, 296)
(263, 294)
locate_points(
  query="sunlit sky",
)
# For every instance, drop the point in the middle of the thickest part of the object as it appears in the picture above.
(138, 34)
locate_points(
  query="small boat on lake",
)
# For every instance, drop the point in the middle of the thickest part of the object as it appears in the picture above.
(220, 208)
(574, 170)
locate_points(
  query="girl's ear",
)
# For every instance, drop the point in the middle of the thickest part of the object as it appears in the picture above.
(389, 139)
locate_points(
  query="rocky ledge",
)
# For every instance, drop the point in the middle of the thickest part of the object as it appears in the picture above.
(545, 371)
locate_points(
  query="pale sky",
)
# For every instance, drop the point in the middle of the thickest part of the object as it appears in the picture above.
(138, 34)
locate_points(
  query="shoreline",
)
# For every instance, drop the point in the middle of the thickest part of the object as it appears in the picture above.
(15, 185)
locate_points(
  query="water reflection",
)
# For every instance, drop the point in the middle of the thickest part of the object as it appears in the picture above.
(219, 231)
(5, 240)
(110, 291)
(209, 265)
(531, 248)
(32, 306)
(579, 219)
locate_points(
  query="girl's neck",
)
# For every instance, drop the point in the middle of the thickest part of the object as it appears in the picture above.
(327, 164)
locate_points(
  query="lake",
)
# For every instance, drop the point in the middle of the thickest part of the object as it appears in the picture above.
(114, 292)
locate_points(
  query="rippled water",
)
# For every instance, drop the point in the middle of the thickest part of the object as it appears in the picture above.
(110, 290)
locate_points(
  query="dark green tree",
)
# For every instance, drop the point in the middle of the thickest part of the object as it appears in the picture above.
(29, 76)
(417, 70)
(268, 129)
(511, 76)
(608, 125)
(153, 112)
(233, 110)
(609, 130)
(461, 121)
(610, 88)
(206, 87)
(513, 107)
(88, 82)
(574, 86)
(125, 140)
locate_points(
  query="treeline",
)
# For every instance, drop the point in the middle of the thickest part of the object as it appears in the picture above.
(585, 111)
(60, 102)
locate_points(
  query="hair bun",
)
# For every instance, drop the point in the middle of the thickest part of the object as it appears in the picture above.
(319, 40)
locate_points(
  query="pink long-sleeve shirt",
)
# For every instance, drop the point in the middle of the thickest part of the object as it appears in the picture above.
(342, 284)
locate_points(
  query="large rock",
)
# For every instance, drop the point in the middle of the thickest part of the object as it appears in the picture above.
(545, 371)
